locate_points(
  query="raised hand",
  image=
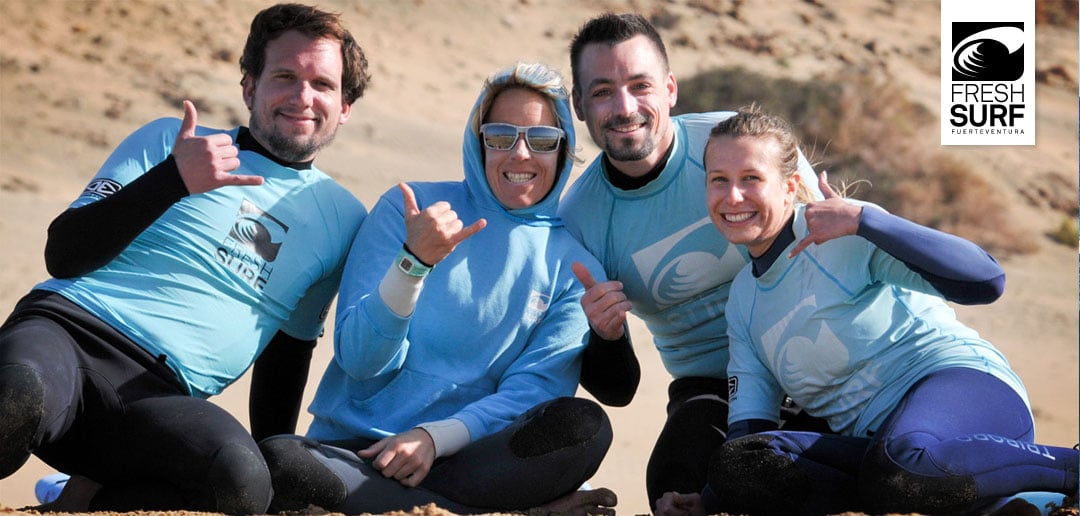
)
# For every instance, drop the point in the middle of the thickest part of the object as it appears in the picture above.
(825, 220)
(406, 457)
(432, 234)
(205, 162)
(605, 304)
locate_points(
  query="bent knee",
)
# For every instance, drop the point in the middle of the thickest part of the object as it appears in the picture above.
(301, 475)
(563, 423)
(889, 484)
(239, 480)
(22, 408)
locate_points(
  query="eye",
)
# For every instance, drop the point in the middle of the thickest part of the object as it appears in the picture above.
(601, 92)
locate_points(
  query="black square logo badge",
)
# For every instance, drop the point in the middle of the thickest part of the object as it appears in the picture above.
(985, 51)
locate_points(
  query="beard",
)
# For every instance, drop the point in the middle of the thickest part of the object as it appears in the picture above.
(625, 149)
(293, 149)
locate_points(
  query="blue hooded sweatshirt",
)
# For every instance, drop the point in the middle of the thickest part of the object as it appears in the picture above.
(497, 329)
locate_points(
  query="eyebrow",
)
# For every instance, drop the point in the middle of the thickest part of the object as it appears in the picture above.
(604, 80)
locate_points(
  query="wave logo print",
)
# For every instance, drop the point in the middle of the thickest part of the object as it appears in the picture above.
(259, 231)
(675, 270)
(987, 51)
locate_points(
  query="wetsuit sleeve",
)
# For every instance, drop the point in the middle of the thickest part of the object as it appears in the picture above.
(277, 385)
(84, 239)
(610, 370)
(959, 270)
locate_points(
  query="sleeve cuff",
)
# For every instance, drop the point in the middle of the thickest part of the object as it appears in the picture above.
(400, 290)
(449, 436)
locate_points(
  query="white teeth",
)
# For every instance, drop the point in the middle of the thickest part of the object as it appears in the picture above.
(737, 217)
(626, 128)
(518, 177)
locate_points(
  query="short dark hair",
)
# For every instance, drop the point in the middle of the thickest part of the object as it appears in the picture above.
(611, 28)
(313, 23)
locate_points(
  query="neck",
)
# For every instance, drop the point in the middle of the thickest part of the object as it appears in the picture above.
(768, 256)
(247, 141)
(623, 180)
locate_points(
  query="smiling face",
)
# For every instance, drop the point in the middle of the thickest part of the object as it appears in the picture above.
(519, 177)
(748, 197)
(296, 103)
(625, 97)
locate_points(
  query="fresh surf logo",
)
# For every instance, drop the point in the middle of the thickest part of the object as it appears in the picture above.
(252, 245)
(987, 72)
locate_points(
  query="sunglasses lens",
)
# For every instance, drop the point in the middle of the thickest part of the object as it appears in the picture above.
(540, 138)
(500, 136)
(543, 139)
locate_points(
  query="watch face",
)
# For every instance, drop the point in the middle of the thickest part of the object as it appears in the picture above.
(406, 264)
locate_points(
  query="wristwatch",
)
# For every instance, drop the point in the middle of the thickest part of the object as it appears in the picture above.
(411, 265)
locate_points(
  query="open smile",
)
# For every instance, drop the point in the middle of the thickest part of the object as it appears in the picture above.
(519, 177)
(738, 218)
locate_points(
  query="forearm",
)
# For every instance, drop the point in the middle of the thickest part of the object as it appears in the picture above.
(960, 270)
(78, 245)
(610, 370)
(277, 385)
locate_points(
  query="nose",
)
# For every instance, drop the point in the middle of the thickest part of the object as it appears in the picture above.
(625, 102)
(520, 150)
(734, 194)
(304, 93)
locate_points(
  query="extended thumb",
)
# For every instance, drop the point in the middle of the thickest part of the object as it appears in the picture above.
(187, 127)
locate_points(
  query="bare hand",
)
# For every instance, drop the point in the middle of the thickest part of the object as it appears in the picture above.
(205, 162)
(406, 457)
(432, 234)
(828, 219)
(676, 504)
(605, 304)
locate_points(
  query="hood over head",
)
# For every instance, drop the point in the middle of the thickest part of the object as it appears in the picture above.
(550, 84)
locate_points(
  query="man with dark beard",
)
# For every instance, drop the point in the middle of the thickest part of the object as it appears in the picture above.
(640, 209)
(193, 254)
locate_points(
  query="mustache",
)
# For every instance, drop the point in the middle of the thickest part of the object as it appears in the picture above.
(633, 118)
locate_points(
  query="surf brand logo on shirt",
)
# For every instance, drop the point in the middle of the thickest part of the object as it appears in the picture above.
(675, 270)
(807, 364)
(252, 245)
(536, 306)
(101, 188)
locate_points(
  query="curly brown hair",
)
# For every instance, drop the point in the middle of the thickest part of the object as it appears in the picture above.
(313, 23)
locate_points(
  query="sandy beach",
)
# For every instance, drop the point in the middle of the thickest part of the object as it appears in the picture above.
(76, 76)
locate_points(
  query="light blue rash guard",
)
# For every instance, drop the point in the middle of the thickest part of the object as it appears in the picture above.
(845, 329)
(659, 242)
(211, 281)
(497, 329)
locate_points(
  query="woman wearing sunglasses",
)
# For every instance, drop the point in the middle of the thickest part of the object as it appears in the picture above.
(459, 334)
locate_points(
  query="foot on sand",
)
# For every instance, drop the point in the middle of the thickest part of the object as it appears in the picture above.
(598, 502)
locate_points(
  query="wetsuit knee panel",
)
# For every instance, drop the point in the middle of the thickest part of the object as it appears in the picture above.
(22, 407)
(239, 480)
(298, 477)
(560, 424)
(885, 484)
